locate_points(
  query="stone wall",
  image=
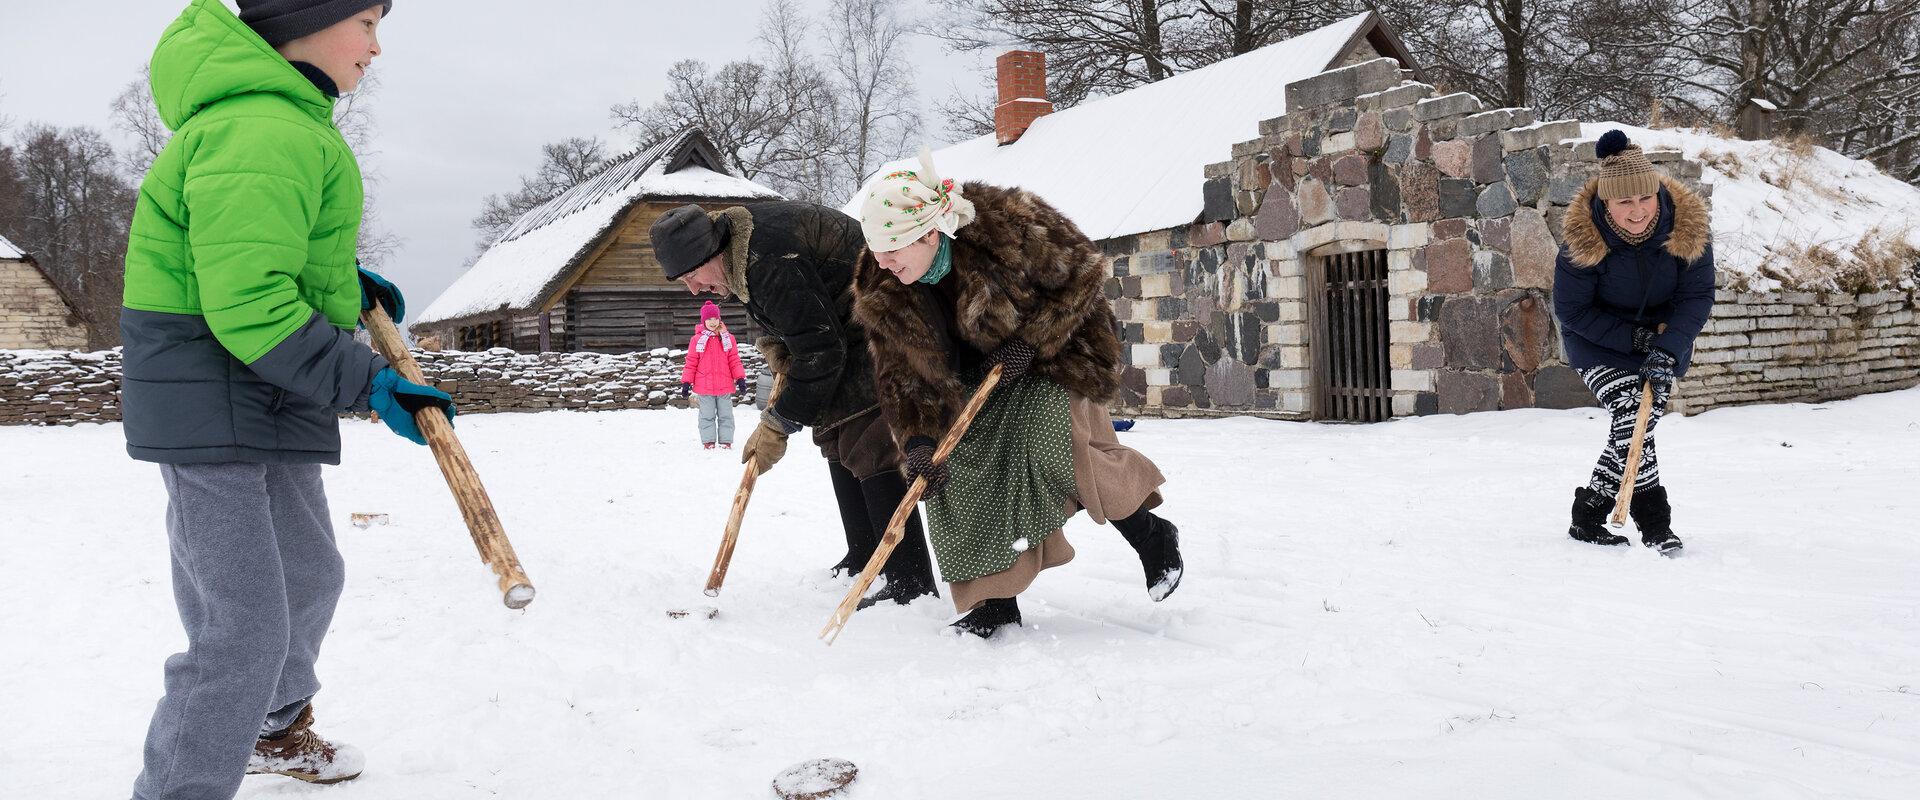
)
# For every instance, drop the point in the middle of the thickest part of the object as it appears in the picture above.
(32, 313)
(1778, 347)
(1464, 200)
(59, 387)
(39, 387)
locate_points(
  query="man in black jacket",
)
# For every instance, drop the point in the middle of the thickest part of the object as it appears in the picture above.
(792, 264)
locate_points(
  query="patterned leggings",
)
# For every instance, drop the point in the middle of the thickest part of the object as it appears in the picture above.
(1619, 391)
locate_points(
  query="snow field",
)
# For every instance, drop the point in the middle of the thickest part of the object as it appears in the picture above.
(1376, 611)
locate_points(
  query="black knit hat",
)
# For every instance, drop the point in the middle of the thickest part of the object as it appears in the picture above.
(282, 21)
(685, 238)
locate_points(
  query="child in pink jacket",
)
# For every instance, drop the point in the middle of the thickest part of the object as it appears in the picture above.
(713, 374)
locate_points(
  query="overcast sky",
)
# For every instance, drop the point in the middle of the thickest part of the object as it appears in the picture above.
(469, 89)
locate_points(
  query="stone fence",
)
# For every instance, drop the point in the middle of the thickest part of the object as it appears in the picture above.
(52, 387)
(1778, 347)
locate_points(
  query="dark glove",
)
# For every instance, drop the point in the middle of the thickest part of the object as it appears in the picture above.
(685, 388)
(740, 385)
(1014, 357)
(920, 465)
(1643, 339)
(768, 443)
(375, 289)
(1657, 372)
(396, 399)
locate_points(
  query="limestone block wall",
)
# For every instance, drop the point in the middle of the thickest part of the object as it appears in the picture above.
(1777, 347)
(40, 387)
(32, 313)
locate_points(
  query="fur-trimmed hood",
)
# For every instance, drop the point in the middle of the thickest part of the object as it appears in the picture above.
(1683, 212)
(740, 222)
(1021, 269)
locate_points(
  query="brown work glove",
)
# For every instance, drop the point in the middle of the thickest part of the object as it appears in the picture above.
(768, 443)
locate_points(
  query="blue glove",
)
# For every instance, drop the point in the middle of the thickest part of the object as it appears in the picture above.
(396, 399)
(375, 289)
(740, 385)
(685, 388)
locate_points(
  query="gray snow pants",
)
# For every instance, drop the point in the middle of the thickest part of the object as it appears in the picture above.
(716, 418)
(256, 576)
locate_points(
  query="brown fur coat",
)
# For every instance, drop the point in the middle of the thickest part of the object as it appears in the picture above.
(1586, 247)
(1024, 270)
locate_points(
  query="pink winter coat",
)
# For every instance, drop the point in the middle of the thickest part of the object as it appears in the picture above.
(713, 362)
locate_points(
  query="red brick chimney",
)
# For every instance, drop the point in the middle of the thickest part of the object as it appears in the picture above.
(1023, 93)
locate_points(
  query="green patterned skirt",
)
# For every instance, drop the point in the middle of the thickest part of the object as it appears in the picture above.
(1010, 481)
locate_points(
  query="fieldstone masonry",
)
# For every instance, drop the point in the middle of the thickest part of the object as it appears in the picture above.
(42, 387)
(1465, 200)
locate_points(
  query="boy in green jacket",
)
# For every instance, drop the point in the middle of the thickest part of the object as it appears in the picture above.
(242, 292)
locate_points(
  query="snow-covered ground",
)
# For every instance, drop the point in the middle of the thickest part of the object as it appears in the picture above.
(1386, 611)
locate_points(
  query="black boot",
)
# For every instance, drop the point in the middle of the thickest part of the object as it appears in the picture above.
(909, 569)
(1654, 518)
(861, 537)
(989, 617)
(1590, 518)
(1158, 543)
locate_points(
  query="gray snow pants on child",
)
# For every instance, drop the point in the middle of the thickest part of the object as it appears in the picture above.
(716, 418)
(256, 576)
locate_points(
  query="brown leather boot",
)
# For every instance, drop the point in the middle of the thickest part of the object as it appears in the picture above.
(301, 754)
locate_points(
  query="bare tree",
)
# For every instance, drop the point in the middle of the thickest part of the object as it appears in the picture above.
(1227, 28)
(134, 114)
(353, 116)
(966, 114)
(70, 207)
(747, 110)
(874, 79)
(564, 164)
(1093, 47)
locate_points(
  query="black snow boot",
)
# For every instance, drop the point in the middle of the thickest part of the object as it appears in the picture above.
(989, 617)
(1158, 543)
(909, 570)
(1590, 518)
(1654, 518)
(861, 537)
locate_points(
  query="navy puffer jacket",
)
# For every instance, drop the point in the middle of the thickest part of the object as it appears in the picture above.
(1603, 287)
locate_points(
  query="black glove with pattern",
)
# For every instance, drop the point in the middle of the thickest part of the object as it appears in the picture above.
(920, 465)
(1657, 372)
(1014, 357)
(1643, 339)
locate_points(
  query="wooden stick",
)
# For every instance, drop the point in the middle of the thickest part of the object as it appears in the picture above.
(739, 513)
(896, 527)
(1632, 472)
(488, 535)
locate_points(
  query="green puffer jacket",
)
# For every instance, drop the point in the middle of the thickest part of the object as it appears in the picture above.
(241, 287)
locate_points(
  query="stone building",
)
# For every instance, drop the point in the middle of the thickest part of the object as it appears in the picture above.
(34, 313)
(1309, 232)
(578, 273)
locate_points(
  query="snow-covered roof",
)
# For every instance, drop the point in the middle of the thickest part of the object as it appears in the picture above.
(8, 252)
(1773, 202)
(544, 248)
(1135, 161)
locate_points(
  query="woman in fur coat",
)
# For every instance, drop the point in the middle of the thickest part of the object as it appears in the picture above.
(953, 285)
(1632, 289)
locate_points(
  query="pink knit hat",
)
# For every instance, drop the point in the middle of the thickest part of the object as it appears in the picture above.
(709, 311)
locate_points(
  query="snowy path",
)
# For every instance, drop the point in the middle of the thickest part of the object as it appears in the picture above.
(1370, 612)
